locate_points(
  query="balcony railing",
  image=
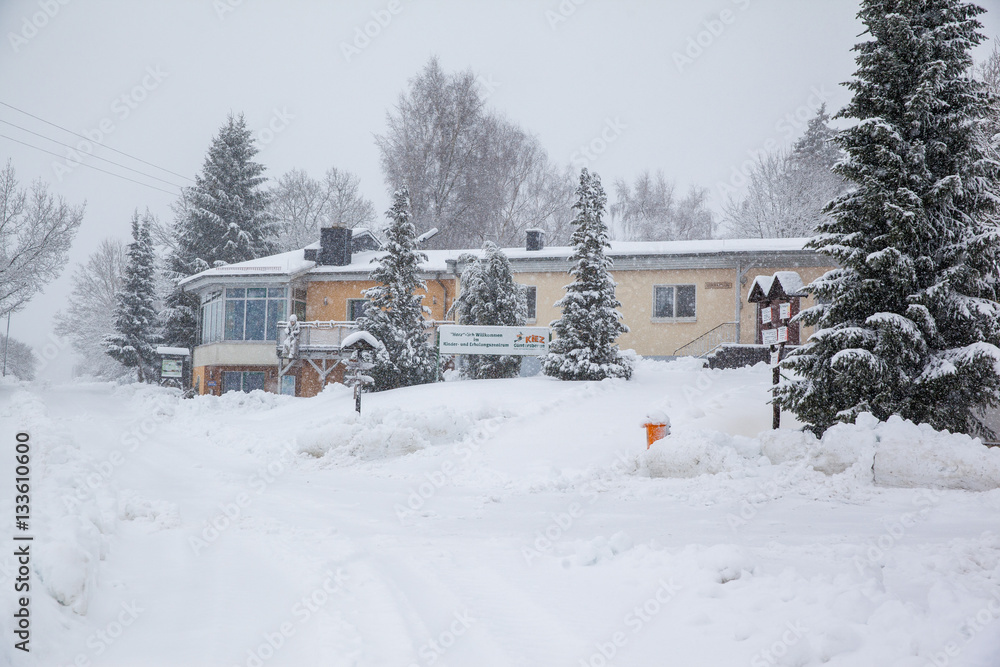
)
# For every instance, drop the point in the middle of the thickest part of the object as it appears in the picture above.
(708, 342)
(319, 338)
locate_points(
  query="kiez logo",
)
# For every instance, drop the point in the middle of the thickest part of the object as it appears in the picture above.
(535, 338)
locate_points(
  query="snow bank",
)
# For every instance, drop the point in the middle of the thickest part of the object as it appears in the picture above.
(692, 453)
(894, 453)
(386, 433)
(911, 455)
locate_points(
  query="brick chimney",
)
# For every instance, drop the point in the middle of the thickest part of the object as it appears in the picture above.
(335, 246)
(536, 239)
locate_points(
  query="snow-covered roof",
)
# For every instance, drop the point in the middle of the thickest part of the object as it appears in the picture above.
(790, 282)
(173, 351)
(353, 339)
(294, 262)
(286, 263)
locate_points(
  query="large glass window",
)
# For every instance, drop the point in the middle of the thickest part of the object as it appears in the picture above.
(674, 301)
(253, 313)
(242, 380)
(212, 318)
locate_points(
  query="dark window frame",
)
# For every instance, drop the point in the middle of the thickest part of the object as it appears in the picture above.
(676, 303)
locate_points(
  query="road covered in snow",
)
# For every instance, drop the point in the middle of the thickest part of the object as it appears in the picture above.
(508, 522)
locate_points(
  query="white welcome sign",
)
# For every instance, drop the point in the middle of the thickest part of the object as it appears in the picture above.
(520, 341)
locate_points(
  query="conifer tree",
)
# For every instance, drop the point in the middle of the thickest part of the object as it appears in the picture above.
(136, 334)
(584, 348)
(909, 324)
(395, 314)
(490, 297)
(222, 219)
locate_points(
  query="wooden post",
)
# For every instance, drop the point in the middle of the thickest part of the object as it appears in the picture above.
(775, 378)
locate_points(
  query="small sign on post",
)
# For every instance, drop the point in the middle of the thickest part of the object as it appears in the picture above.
(358, 344)
(171, 368)
(175, 368)
(779, 295)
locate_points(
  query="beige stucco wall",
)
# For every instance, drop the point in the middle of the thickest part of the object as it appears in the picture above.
(715, 304)
(326, 300)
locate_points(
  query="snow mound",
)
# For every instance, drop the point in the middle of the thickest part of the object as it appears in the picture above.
(592, 552)
(843, 446)
(898, 452)
(895, 453)
(386, 433)
(916, 455)
(693, 453)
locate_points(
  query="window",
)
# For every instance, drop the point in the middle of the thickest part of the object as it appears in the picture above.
(253, 313)
(288, 385)
(356, 309)
(299, 303)
(242, 380)
(212, 318)
(532, 295)
(674, 302)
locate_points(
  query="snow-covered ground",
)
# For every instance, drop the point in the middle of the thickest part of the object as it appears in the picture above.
(511, 522)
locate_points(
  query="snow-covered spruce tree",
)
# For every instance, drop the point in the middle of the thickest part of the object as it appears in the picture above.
(136, 334)
(910, 323)
(222, 219)
(490, 297)
(395, 315)
(584, 348)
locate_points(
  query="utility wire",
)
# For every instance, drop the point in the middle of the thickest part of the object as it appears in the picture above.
(89, 166)
(96, 157)
(77, 134)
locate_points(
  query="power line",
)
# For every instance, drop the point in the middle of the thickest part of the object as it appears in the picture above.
(96, 157)
(88, 166)
(77, 134)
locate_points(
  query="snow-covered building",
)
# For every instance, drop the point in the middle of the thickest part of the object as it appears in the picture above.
(678, 298)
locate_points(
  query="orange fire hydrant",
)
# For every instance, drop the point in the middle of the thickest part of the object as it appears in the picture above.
(657, 427)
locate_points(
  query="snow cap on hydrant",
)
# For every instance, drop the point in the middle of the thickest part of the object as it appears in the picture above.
(657, 426)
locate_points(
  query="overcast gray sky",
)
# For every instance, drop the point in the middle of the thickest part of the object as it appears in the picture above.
(690, 87)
